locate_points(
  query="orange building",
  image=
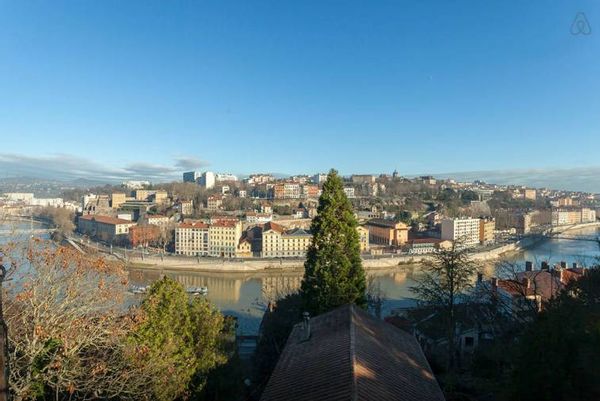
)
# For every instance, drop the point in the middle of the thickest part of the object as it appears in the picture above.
(387, 232)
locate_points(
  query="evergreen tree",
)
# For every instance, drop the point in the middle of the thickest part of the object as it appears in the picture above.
(333, 274)
(178, 339)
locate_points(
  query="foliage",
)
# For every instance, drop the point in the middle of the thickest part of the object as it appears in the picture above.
(276, 326)
(333, 274)
(445, 277)
(178, 338)
(63, 219)
(225, 382)
(66, 326)
(557, 357)
(505, 200)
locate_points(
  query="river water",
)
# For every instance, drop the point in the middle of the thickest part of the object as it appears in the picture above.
(245, 294)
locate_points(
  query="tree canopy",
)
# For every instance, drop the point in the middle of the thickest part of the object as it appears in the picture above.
(333, 274)
(178, 338)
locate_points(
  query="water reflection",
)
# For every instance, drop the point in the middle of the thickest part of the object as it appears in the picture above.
(246, 294)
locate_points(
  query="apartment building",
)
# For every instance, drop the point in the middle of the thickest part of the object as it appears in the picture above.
(310, 191)
(530, 194)
(258, 218)
(387, 232)
(192, 239)
(287, 190)
(258, 179)
(156, 219)
(487, 226)
(191, 176)
(117, 199)
(465, 230)
(349, 191)
(207, 179)
(363, 238)
(104, 228)
(564, 216)
(214, 202)
(588, 215)
(186, 207)
(224, 237)
(277, 242)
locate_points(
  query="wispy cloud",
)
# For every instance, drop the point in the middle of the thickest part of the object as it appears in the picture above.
(68, 167)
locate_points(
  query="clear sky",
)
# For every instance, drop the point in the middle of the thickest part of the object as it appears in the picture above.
(143, 87)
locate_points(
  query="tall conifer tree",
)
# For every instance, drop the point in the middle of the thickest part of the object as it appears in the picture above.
(333, 273)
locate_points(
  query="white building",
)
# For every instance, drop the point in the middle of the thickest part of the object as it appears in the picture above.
(465, 230)
(258, 218)
(257, 179)
(56, 202)
(207, 179)
(319, 178)
(135, 184)
(220, 177)
(19, 197)
(349, 191)
(192, 239)
(588, 215)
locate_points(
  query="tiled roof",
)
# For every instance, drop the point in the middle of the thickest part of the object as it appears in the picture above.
(192, 225)
(351, 355)
(105, 219)
(270, 226)
(424, 241)
(545, 283)
(385, 223)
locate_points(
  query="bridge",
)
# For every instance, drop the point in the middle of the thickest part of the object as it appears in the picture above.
(574, 238)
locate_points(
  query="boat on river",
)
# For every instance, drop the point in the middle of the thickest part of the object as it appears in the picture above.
(197, 290)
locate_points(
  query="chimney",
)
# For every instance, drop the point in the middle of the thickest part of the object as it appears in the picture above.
(494, 282)
(526, 283)
(545, 266)
(574, 265)
(563, 264)
(306, 325)
(528, 266)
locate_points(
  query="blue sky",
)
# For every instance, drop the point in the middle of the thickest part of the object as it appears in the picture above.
(151, 88)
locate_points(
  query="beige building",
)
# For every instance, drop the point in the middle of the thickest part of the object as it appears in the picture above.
(160, 197)
(287, 190)
(142, 194)
(530, 194)
(244, 248)
(214, 202)
(280, 243)
(224, 237)
(387, 232)
(117, 199)
(363, 238)
(104, 228)
(192, 239)
(186, 207)
(487, 226)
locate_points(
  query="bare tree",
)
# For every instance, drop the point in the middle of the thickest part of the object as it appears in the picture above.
(445, 277)
(66, 326)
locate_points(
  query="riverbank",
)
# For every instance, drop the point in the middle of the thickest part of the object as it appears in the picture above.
(181, 263)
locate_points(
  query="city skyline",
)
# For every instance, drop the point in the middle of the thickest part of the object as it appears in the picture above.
(145, 90)
(70, 168)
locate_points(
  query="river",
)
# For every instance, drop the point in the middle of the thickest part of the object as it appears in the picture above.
(245, 294)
